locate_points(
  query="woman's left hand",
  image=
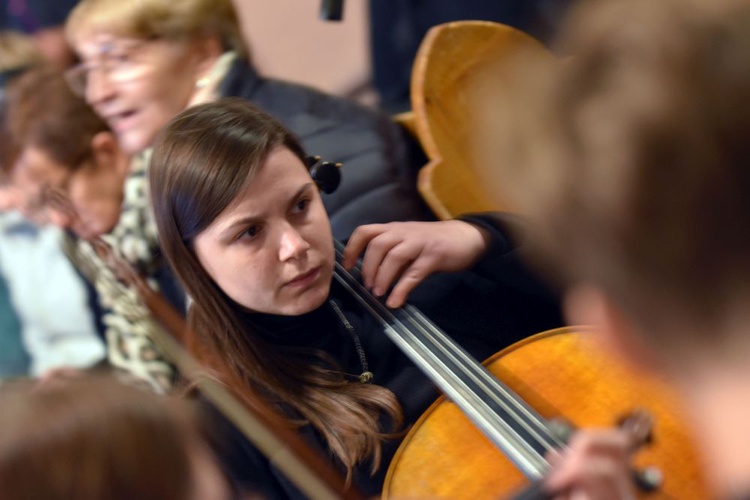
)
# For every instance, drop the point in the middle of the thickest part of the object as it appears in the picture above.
(408, 252)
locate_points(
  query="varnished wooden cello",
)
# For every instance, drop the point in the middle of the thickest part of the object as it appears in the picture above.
(491, 434)
(561, 374)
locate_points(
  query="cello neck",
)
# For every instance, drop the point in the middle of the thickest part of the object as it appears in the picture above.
(505, 419)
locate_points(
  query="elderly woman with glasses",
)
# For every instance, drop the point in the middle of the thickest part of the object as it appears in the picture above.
(144, 62)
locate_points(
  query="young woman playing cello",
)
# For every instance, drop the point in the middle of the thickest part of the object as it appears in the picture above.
(242, 222)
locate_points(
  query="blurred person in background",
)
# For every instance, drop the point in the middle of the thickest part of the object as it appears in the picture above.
(95, 438)
(632, 160)
(46, 313)
(66, 152)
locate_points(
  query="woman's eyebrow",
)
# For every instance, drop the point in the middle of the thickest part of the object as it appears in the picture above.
(249, 219)
(300, 191)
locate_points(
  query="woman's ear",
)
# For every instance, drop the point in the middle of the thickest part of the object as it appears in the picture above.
(105, 150)
(587, 304)
(207, 50)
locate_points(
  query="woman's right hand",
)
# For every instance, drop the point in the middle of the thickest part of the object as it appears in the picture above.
(405, 253)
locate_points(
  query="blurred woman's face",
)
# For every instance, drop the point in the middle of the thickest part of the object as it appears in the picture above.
(271, 250)
(92, 194)
(136, 85)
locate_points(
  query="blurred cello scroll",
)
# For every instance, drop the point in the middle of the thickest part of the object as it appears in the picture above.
(559, 374)
(460, 71)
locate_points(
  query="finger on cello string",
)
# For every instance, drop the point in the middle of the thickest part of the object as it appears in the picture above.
(403, 254)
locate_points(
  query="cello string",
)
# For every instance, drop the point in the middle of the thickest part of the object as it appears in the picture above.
(489, 393)
(490, 386)
(528, 459)
(464, 361)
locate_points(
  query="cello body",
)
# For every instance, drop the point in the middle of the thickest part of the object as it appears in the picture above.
(562, 374)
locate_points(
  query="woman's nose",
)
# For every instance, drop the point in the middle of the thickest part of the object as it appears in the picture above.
(293, 244)
(99, 87)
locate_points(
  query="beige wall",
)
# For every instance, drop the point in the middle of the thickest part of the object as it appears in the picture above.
(288, 40)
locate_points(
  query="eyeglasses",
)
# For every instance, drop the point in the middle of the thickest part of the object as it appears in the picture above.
(120, 62)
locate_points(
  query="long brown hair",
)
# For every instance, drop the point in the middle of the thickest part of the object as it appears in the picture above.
(201, 162)
(95, 438)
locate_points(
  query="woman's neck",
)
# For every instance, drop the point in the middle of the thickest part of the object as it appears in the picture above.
(298, 331)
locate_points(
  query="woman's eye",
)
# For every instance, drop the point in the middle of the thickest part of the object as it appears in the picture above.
(119, 58)
(250, 233)
(301, 205)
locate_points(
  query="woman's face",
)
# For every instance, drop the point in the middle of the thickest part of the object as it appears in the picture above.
(271, 250)
(94, 193)
(137, 86)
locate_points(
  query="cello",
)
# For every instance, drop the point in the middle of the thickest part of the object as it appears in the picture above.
(485, 435)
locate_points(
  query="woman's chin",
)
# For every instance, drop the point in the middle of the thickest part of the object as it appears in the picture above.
(133, 142)
(308, 302)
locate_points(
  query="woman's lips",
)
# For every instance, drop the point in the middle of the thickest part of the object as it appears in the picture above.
(305, 279)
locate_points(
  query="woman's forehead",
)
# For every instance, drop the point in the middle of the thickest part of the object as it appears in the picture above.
(102, 40)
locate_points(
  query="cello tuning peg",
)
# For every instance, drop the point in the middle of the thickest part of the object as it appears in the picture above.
(640, 425)
(648, 479)
(312, 160)
(326, 175)
(561, 429)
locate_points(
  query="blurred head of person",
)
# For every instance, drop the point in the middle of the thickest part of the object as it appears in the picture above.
(93, 438)
(64, 148)
(143, 62)
(632, 159)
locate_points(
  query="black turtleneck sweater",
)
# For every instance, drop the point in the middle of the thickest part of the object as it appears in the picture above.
(485, 309)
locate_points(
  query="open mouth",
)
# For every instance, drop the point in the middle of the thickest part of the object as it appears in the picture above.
(121, 121)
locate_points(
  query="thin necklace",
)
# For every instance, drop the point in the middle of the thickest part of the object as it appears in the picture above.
(366, 375)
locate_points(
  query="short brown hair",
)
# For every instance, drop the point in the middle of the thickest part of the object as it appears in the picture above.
(635, 161)
(17, 51)
(44, 112)
(94, 438)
